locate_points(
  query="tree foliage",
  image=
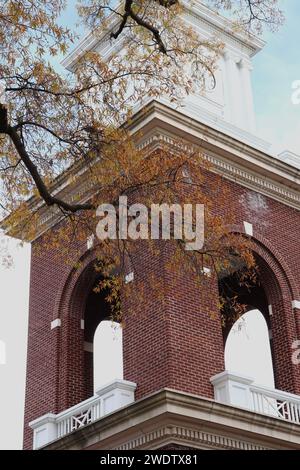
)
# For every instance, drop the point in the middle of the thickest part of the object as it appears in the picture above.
(51, 120)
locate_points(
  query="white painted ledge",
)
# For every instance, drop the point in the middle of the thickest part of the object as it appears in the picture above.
(296, 304)
(108, 399)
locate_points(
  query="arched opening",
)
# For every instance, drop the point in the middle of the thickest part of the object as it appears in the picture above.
(108, 353)
(240, 297)
(102, 341)
(247, 329)
(248, 351)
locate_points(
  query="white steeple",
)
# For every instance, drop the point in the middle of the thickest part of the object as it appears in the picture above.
(228, 106)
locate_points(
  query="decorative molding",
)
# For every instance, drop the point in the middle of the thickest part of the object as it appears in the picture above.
(187, 436)
(239, 175)
(222, 27)
(193, 109)
(290, 158)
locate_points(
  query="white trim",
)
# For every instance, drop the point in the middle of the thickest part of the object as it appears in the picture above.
(270, 310)
(231, 375)
(248, 229)
(191, 413)
(129, 277)
(117, 383)
(110, 398)
(56, 323)
(296, 304)
(206, 271)
(290, 158)
(90, 241)
(242, 392)
(82, 324)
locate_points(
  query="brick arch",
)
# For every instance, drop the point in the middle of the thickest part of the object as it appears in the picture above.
(281, 289)
(63, 297)
(75, 382)
(264, 248)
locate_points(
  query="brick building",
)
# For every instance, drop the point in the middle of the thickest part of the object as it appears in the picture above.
(175, 391)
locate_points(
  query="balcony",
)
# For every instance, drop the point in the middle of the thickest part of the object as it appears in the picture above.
(229, 388)
(108, 399)
(236, 390)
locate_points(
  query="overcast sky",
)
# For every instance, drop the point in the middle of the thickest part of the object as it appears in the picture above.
(275, 69)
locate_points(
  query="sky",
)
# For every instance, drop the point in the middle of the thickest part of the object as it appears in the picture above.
(275, 69)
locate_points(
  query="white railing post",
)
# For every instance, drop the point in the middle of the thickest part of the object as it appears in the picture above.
(232, 389)
(116, 395)
(44, 430)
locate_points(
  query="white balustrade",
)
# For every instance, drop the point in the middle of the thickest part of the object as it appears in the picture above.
(236, 390)
(108, 399)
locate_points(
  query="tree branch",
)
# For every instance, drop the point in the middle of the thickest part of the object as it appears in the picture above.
(129, 13)
(3, 119)
(50, 200)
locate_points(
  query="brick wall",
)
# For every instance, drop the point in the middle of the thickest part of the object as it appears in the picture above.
(172, 342)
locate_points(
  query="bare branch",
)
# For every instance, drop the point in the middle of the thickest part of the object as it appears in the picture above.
(31, 167)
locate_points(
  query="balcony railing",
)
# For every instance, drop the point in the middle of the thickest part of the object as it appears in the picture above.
(240, 391)
(108, 399)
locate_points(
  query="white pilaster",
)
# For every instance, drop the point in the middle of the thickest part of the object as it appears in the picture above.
(232, 389)
(233, 88)
(245, 68)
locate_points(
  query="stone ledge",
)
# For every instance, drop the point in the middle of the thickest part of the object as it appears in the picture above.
(193, 420)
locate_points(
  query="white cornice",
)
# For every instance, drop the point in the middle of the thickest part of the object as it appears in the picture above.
(234, 171)
(90, 42)
(233, 158)
(290, 157)
(223, 27)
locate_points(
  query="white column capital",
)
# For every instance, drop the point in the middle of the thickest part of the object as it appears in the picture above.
(245, 64)
(231, 56)
(228, 55)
